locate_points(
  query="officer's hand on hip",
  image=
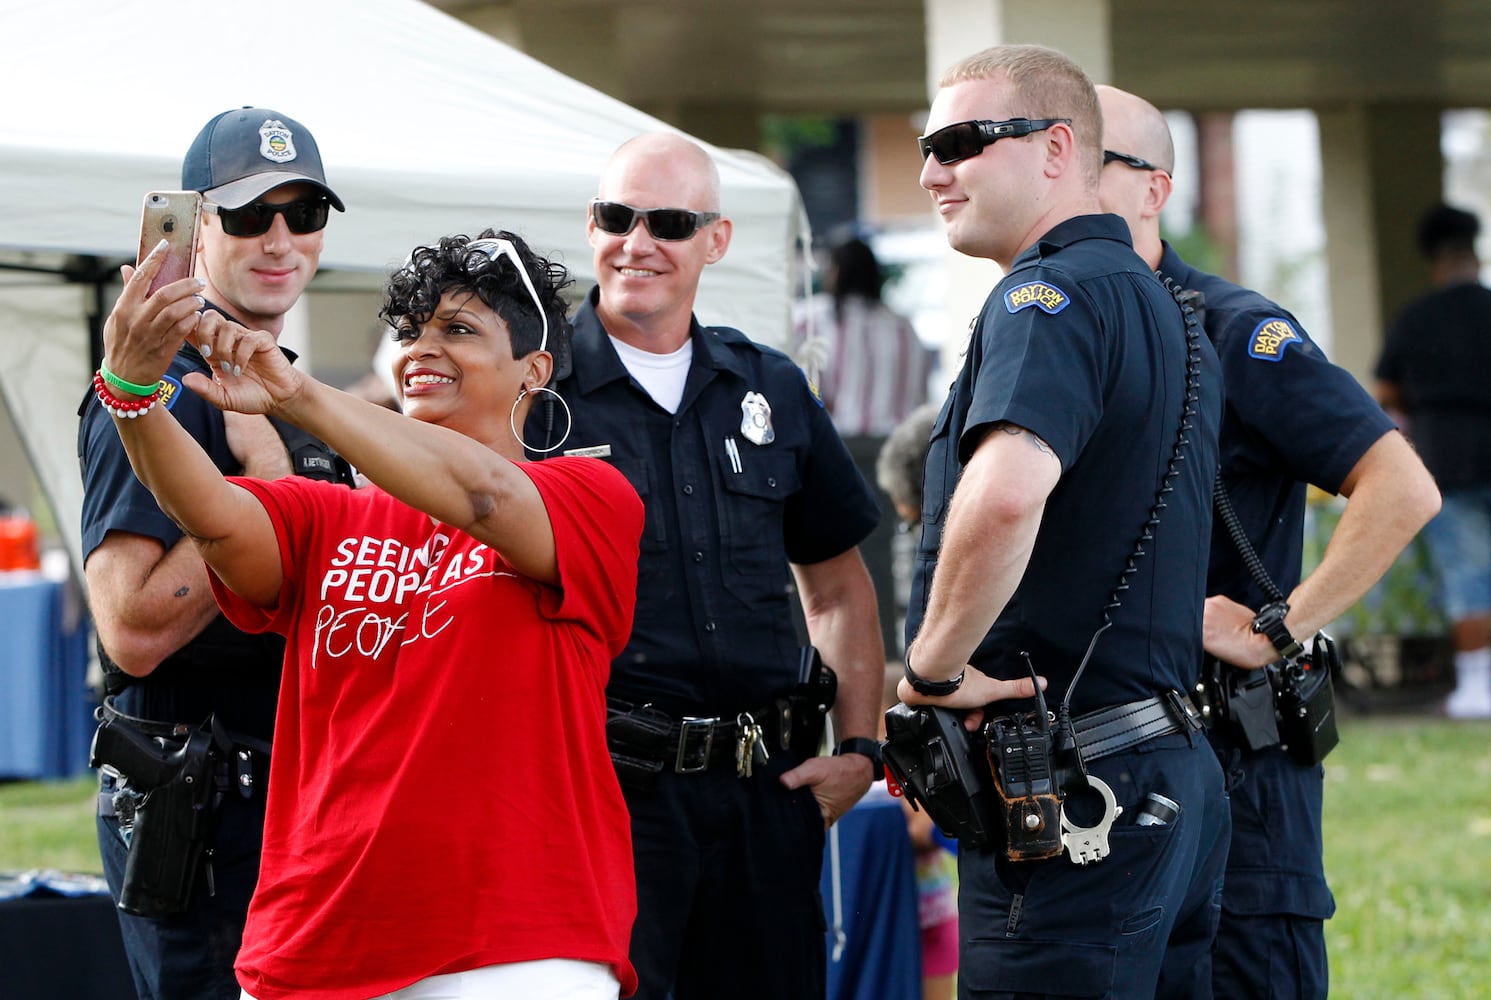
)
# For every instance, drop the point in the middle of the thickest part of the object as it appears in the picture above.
(977, 690)
(837, 782)
(1227, 633)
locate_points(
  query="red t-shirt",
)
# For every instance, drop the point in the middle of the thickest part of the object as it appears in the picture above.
(441, 796)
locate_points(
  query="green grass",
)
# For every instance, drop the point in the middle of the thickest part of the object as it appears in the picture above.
(49, 825)
(1408, 855)
(1407, 850)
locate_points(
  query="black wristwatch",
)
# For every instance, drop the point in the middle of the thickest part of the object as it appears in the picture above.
(1270, 621)
(866, 747)
(932, 689)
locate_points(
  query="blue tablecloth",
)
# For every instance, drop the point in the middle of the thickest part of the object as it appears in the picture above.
(45, 706)
(881, 955)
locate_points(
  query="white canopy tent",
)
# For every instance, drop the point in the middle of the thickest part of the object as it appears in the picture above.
(426, 127)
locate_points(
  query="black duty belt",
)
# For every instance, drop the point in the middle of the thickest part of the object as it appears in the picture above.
(1120, 727)
(694, 744)
(171, 730)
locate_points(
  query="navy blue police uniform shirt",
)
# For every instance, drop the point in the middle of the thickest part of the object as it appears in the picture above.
(1290, 418)
(713, 630)
(222, 669)
(1082, 346)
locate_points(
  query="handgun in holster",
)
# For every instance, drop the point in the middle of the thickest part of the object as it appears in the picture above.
(802, 710)
(940, 768)
(173, 820)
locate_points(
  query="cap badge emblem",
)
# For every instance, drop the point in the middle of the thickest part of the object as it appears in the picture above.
(276, 142)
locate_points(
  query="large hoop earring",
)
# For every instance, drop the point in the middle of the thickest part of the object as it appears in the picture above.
(512, 420)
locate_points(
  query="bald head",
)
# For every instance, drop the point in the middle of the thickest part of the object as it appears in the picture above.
(681, 159)
(1134, 126)
(1136, 188)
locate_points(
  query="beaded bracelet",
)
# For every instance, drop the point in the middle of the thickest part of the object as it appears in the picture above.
(123, 386)
(122, 409)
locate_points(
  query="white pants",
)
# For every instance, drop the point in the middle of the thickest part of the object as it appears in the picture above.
(546, 979)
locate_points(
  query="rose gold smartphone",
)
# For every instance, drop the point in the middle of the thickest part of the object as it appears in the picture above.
(172, 216)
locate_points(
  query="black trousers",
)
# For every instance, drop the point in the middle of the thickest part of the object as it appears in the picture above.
(727, 887)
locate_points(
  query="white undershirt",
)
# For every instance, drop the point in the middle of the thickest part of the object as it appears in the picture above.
(662, 375)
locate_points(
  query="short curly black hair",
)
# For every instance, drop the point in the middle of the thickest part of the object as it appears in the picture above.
(453, 265)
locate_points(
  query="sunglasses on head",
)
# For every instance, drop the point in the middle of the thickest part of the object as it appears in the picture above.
(670, 225)
(494, 248)
(307, 215)
(958, 142)
(1109, 156)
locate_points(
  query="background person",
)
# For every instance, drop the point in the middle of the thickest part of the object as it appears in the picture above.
(408, 839)
(1291, 418)
(742, 475)
(874, 373)
(900, 469)
(1083, 399)
(1435, 368)
(169, 658)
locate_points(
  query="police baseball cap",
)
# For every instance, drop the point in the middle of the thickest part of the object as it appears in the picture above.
(243, 153)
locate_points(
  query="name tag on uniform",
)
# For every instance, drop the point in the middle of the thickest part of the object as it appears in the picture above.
(594, 451)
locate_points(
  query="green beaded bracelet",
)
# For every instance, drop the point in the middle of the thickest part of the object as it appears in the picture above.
(123, 386)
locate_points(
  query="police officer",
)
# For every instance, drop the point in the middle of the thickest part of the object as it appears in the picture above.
(1076, 451)
(741, 473)
(170, 659)
(1291, 418)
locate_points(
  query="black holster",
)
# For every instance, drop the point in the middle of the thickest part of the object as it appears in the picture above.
(174, 818)
(940, 768)
(803, 709)
(1289, 704)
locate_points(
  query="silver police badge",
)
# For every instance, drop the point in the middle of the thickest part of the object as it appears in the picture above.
(755, 419)
(276, 142)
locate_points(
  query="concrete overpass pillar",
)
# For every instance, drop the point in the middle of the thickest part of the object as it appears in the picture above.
(958, 28)
(1381, 166)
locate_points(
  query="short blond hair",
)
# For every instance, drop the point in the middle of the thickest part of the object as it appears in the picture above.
(1045, 84)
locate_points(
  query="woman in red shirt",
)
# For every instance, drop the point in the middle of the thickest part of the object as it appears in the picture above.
(443, 817)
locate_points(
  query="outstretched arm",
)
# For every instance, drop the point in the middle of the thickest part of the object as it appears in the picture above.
(456, 479)
(229, 528)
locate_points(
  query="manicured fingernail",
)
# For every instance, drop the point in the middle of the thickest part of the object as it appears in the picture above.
(237, 370)
(205, 350)
(160, 246)
(201, 282)
(226, 366)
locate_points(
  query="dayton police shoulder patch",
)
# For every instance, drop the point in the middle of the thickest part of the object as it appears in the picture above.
(170, 391)
(814, 391)
(1272, 338)
(1044, 296)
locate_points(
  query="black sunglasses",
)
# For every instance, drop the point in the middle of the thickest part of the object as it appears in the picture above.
(958, 142)
(1109, 156)
(671, 225)
(308, 215)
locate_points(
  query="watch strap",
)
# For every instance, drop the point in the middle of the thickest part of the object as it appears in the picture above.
(932, 689)
(865, 747)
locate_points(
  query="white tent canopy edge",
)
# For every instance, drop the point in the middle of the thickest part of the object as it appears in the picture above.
(426, 127)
